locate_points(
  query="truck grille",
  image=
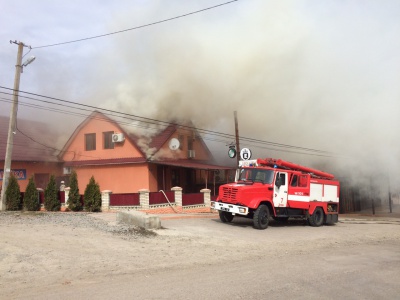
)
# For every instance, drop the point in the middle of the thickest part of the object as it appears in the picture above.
(229, 194)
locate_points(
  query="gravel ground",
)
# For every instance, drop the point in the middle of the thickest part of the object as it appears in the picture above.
(75, 220)
(88, 255)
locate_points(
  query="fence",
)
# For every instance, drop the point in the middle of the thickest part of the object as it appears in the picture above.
(159, 198)
(192, 199)
(60, 197)
(124, 199)
(157, 202)
(144, 200)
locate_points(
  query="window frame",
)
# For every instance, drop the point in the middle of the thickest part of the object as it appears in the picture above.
(107, 140)
(90, 145)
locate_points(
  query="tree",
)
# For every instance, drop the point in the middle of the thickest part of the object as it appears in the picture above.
(13, 194)
(74, 199)
(31, 196)
(51, 201)
(92, 196)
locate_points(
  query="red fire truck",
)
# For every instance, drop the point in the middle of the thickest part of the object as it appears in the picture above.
(281, 189)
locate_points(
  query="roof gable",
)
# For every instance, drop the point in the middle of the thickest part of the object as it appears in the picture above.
(150, 146)
(87, 123)
(33, 141)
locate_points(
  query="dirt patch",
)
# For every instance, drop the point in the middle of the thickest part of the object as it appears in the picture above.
(43, 252)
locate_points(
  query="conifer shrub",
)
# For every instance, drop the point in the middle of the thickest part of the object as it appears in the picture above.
(13, 194)
(31, 196)
(92, 196)
(51, 201)
(74, 201)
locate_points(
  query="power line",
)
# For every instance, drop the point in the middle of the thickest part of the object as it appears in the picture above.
(137, 27)
(150, 121)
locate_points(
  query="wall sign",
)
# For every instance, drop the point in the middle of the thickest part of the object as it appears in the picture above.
(20, 174)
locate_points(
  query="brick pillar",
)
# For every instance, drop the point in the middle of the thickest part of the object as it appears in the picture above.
(66, 190)
(105, 200)
(144, 199)
(207, 197)
(177, 195)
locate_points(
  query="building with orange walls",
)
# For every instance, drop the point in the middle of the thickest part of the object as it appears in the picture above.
(170, 155)
(167, 156)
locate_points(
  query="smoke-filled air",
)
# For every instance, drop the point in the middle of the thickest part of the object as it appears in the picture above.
(321, 75)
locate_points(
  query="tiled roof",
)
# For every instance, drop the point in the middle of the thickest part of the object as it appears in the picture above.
(159, 140)
(156, 141)
(33, 141)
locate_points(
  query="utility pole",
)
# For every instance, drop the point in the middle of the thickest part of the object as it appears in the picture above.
(390, 197)
(11, 127)
(237, 139)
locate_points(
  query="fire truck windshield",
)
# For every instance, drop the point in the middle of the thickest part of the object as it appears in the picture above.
(256, 175)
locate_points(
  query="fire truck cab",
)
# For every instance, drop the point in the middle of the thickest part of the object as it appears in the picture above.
(265, 188)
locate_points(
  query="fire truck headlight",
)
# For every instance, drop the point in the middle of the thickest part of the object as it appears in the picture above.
(212, 204)
(242, 210)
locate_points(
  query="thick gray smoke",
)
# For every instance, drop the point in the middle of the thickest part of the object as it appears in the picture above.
(319, 75)
(314, 74)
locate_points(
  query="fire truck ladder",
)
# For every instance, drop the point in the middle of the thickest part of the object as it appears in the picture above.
(279, 163)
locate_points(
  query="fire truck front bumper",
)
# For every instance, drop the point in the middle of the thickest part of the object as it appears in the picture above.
(233, 209)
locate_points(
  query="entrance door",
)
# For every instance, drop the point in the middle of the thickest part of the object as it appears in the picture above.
(41, 180)
(280, 190)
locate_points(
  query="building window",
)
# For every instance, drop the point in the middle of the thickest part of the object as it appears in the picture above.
(90, 141)
(107, 140)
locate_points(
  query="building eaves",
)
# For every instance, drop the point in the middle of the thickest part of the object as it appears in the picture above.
(103, 162)
(187, 163)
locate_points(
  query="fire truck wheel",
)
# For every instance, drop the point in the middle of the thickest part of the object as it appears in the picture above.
(226, 217)
(317, 218)
(261, 217)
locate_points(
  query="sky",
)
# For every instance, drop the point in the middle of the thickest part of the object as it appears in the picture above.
(321, 75)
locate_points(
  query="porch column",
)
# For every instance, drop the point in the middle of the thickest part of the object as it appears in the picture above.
(206, 197)
(177, 195)
(66, 191)
(105, 200)
(144, 200)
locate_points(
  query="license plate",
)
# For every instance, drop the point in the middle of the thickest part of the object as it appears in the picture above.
(224, 208)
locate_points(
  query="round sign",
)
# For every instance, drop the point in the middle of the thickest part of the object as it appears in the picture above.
(245, 154)
(232, 152)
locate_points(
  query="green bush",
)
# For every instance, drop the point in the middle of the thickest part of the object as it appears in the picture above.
(92, 196)
(74, 201)
(31, 196)
(51, 201)
(13, 194)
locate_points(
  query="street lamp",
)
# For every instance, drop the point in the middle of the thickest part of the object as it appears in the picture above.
(13, 117)
(27, 62)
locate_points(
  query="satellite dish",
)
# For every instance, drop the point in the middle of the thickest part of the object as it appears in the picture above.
(174, 144)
